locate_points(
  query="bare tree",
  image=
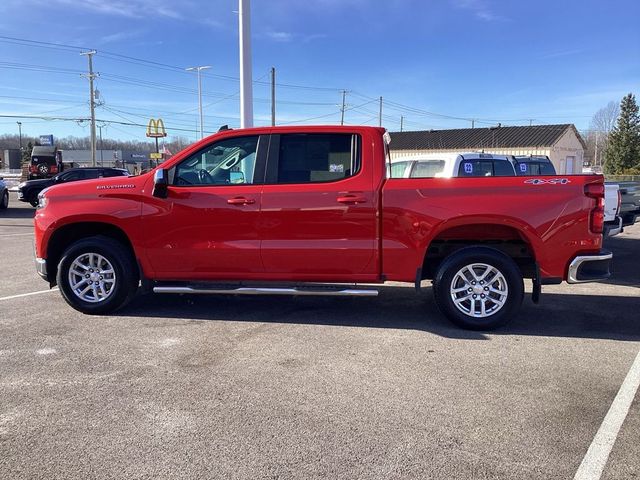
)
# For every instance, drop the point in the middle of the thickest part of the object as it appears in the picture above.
(605, 119)
(597, 138)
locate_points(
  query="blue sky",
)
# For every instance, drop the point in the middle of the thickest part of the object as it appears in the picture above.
(495, 61)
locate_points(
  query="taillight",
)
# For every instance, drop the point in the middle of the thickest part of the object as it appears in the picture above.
(33, 169)
(596, 217)
(53, 169)
(594, 190)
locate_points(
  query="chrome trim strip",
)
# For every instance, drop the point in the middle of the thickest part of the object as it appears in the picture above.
(578, 261)
(349, 292)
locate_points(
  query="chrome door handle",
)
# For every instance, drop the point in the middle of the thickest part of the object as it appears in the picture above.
(241, 201)
(351, 199)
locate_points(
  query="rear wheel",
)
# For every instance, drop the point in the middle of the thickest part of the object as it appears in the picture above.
(478, 288)
(4, 201)
(96, 275)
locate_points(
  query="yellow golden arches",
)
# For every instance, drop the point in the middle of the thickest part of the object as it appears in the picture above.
(155, 128)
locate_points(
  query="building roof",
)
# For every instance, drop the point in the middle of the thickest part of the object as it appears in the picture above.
(478, 138)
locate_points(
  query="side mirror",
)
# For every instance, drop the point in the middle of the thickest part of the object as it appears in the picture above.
(160, 183)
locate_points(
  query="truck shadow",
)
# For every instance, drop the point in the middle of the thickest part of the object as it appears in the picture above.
(625, 266)
(579, 316)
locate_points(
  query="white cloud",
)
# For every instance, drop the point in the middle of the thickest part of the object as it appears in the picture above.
(480, 9)
(280, 36)
(121, 8)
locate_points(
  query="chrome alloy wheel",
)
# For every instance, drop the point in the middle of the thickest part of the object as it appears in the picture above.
(479, 290)
(92, 277)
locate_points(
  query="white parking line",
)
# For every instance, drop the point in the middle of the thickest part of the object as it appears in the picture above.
(28, 294)
(15, 234)
(595, 460)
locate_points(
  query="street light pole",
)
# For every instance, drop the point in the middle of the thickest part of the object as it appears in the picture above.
(20, 135)
(246, 75)
(198, 70)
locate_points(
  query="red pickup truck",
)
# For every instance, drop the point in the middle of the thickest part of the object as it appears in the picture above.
(310, 211)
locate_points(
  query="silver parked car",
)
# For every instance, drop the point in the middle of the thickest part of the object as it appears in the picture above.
(4, 195)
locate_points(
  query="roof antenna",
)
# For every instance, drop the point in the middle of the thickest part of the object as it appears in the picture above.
(223, 128)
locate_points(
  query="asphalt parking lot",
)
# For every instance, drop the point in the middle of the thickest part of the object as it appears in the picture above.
(279, 388)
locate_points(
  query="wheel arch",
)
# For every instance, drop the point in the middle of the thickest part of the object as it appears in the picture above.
(70, 233)
(514, 240)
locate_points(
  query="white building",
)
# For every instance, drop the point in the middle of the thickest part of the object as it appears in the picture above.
(561, 143)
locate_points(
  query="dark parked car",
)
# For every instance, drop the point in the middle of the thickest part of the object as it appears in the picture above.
(28, 191)
(4, 195)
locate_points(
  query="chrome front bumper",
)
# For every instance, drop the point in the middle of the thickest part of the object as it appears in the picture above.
(590, 268)
(41, 267)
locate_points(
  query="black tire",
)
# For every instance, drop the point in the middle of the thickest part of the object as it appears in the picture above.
(4, 201)
(450, 277)
(33, 202)
(124, 266)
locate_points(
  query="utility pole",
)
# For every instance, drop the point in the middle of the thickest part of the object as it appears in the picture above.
(473, 123)
(595, 155)
(20, 135)
(401, 123)
(198, 70)
(246, 76)
(530, 121)
(273, 96)
(380, 114)
(92, 105)
(344, 97)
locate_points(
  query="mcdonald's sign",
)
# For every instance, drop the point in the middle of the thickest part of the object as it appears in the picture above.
(155, 128)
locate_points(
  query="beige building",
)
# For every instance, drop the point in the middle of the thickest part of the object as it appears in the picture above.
(561, 143)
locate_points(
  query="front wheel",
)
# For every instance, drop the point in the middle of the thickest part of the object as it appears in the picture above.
(96, 275)
(4, 201)
(478, 288)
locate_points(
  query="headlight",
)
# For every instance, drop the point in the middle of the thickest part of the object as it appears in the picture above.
(42, 199)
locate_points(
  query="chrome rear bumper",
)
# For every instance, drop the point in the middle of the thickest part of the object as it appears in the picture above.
(590, 268)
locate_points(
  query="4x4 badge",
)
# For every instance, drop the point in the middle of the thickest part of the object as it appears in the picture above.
(552, 181)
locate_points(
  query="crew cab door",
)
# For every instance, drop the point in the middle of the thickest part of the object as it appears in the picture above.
(207, 227)
(318, 219)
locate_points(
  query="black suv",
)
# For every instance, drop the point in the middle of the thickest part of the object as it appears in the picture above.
(28, 191)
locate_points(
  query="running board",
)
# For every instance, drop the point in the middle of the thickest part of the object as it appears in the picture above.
(327, 291)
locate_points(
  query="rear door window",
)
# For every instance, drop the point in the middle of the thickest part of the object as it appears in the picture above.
(315, 158)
